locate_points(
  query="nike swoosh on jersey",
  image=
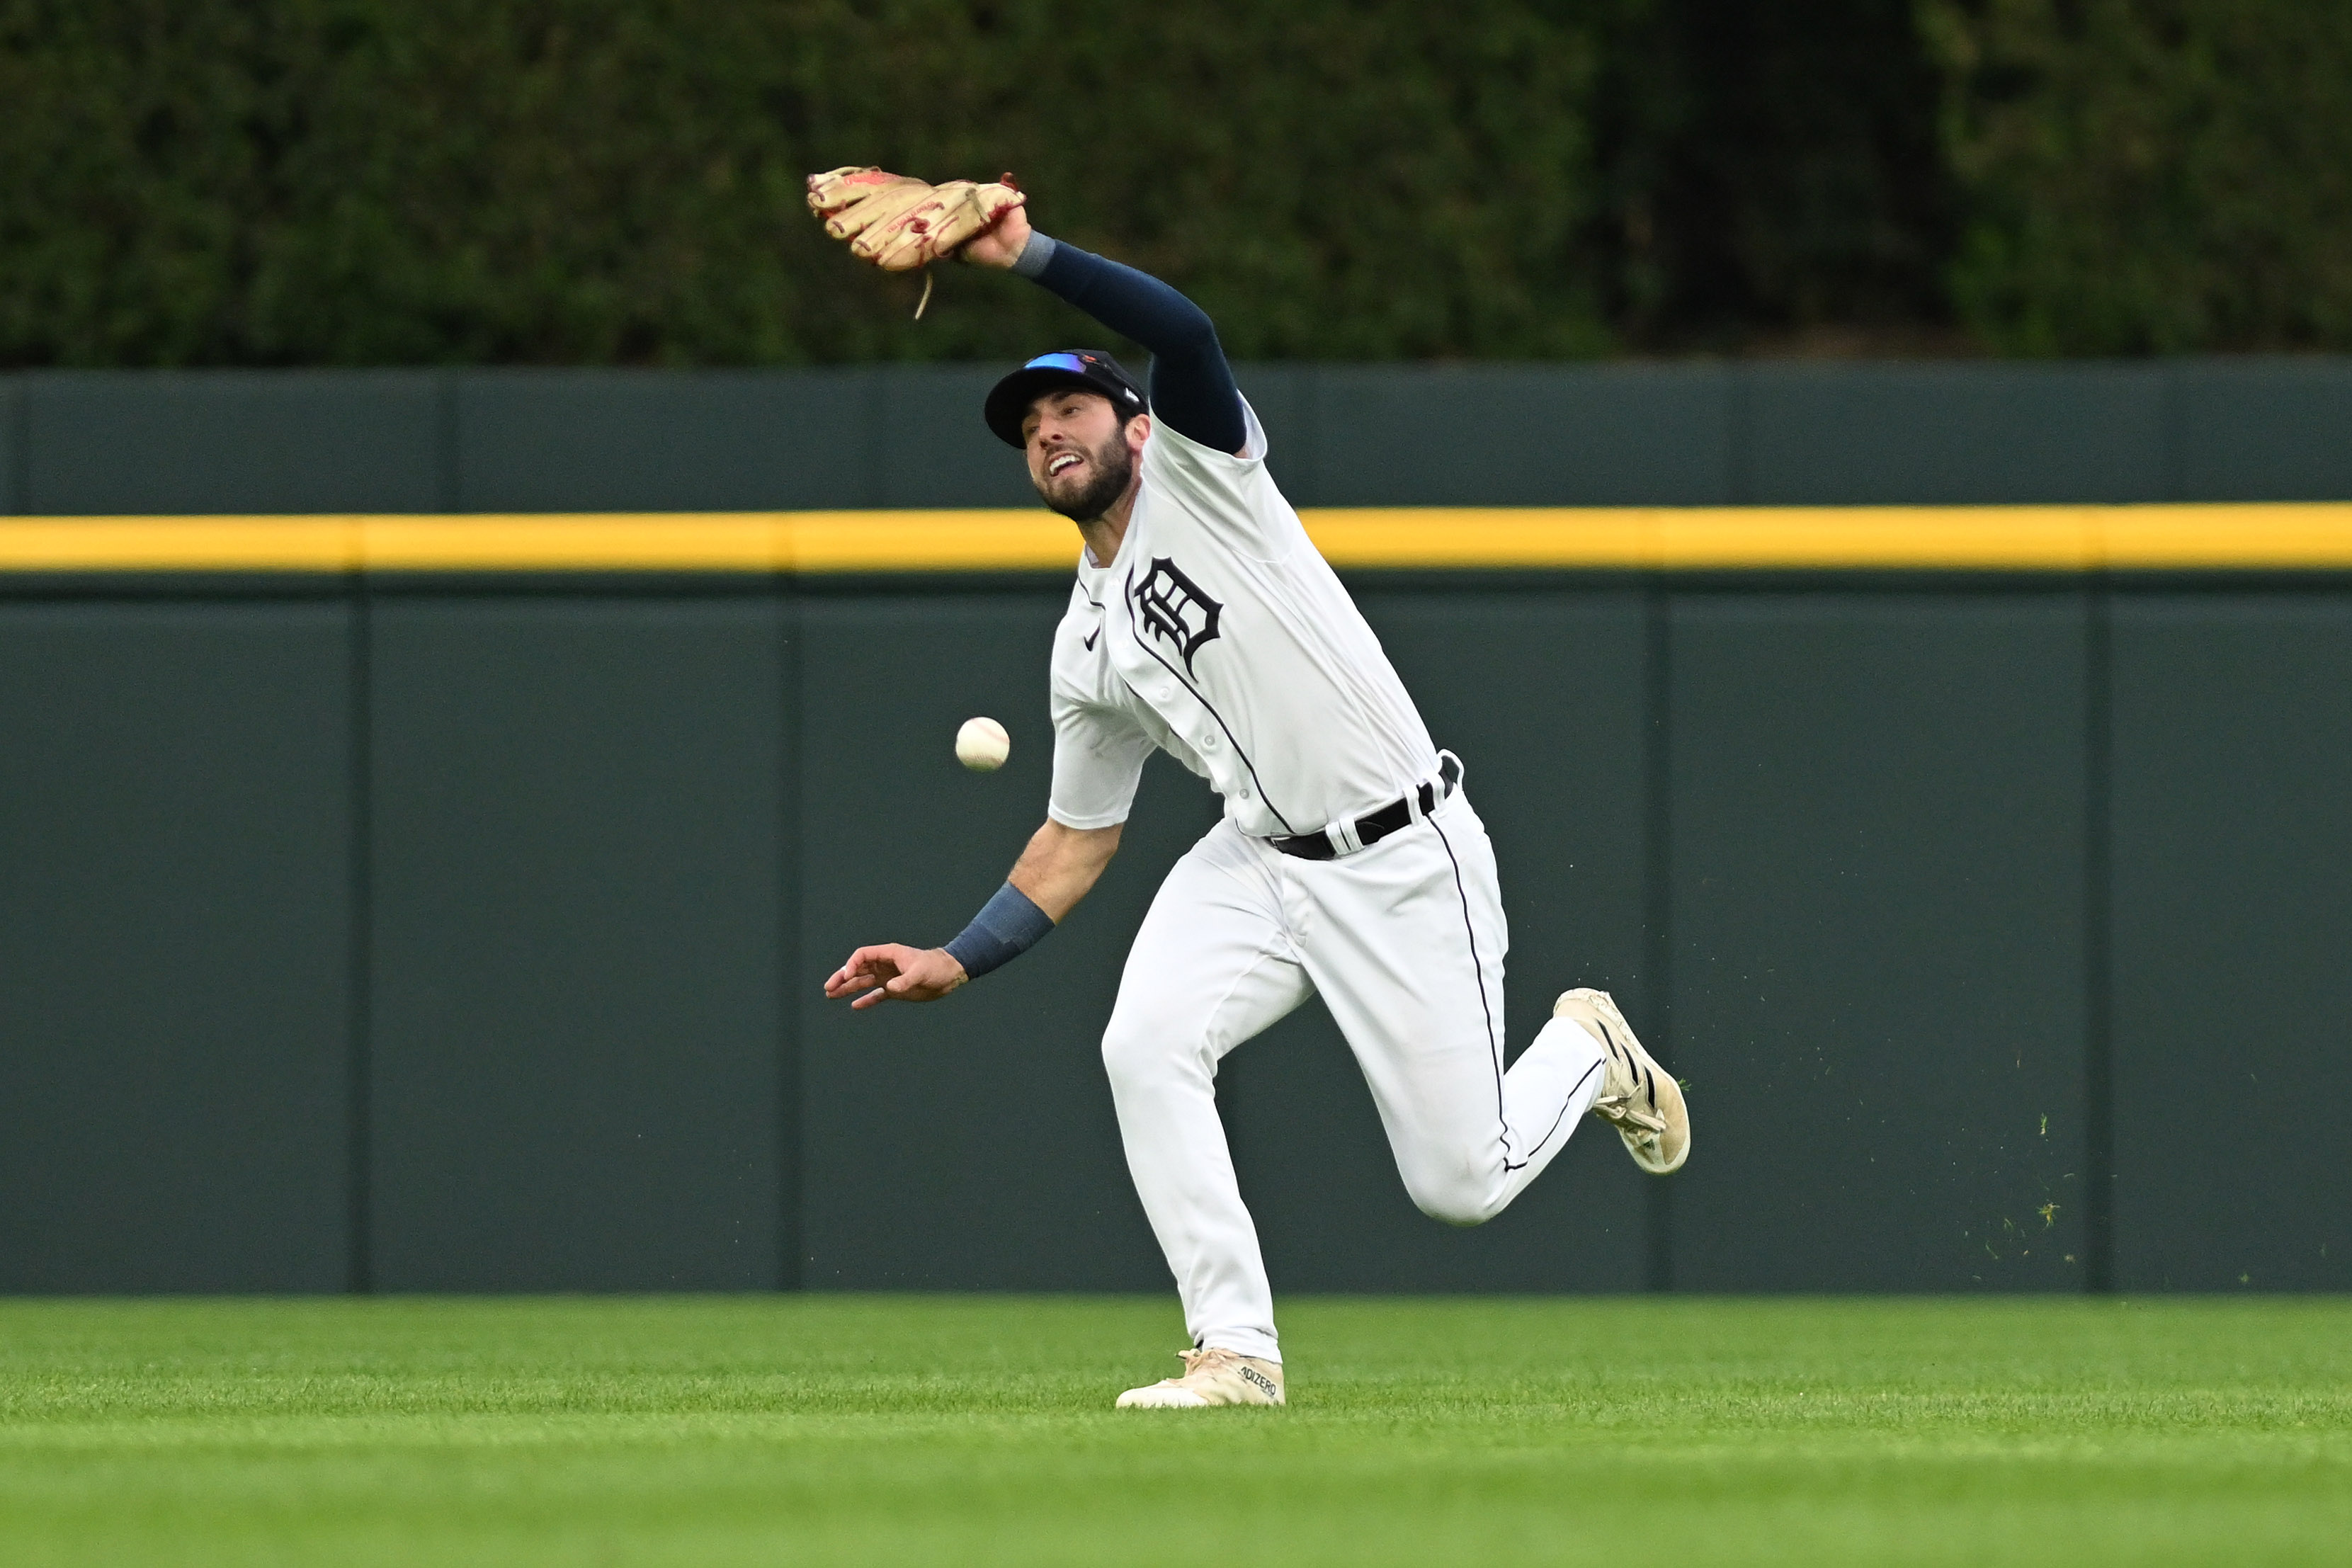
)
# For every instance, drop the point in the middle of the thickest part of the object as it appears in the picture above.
(1090, 639)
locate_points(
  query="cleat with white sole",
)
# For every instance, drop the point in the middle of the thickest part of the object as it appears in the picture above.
(1212, 1376)
(1638, 1096)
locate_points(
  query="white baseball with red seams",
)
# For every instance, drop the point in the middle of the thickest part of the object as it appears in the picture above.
(982, 745)
(1219, 635)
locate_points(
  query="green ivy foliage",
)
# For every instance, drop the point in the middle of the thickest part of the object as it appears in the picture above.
(619, 182)
(373, 182)
(2151, 175)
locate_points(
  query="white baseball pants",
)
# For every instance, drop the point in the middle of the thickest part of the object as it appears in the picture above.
(1404, 941)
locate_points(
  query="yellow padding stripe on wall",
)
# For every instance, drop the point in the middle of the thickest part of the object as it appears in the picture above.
(2026, 537)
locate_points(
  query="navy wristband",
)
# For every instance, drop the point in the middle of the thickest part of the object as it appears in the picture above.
(1007, 926)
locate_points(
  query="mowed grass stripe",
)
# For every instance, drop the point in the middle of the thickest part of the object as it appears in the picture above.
(869, 1429)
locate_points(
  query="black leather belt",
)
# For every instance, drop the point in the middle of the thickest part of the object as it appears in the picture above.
(1370, 829)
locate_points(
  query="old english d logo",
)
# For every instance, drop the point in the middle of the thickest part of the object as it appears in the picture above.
(1174, 609)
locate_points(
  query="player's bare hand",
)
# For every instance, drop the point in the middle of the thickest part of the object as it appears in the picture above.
(895, 973)
(1001, 244)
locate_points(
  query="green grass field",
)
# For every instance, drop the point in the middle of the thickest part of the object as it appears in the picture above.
(977, 1430)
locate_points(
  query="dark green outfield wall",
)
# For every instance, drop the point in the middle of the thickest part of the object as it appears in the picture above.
(471, 940)
(1684, 434)
(468, 935)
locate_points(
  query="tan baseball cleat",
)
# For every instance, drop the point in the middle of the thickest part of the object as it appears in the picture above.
(1213, 1376)
(1638, 1096)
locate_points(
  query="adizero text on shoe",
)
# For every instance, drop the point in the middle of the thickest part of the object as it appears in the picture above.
(1637, 1097)
(1212, 1376)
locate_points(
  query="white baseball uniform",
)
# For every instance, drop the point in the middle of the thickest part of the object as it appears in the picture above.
(1219, 635)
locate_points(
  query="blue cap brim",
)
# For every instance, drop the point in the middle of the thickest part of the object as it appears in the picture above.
(1009, 400)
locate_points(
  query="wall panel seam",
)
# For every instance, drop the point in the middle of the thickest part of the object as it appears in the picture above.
(2098, 1042)
(1657, 874)
(360, 1052)
(792, 1217)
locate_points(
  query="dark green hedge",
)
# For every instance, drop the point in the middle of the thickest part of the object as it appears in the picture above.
(2152, 175)
(272, 182)
(221, 181)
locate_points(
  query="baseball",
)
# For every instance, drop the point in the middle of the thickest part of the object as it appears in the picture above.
(982, 745)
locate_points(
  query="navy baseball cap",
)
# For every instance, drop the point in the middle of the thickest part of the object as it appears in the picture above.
(1009, 400)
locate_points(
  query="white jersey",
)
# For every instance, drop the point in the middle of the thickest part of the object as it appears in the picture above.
(1220, 635)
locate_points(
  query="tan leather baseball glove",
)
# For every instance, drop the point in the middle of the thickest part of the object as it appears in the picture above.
(899, 223)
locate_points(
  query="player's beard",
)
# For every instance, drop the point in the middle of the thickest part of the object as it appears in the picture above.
(1114, 469)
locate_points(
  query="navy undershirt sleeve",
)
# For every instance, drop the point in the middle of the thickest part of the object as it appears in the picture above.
(1192, 389)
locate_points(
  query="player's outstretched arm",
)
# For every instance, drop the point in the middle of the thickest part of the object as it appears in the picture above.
(898, 223)
(1060, 867)
(1192, 389)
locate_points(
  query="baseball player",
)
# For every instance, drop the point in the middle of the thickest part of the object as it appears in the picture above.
(1348, 863)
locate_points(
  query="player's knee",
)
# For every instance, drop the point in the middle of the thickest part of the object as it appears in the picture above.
(1457, 1198)
(1136, 1056)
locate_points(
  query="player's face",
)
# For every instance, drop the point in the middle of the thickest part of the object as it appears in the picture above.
(1081, 458)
